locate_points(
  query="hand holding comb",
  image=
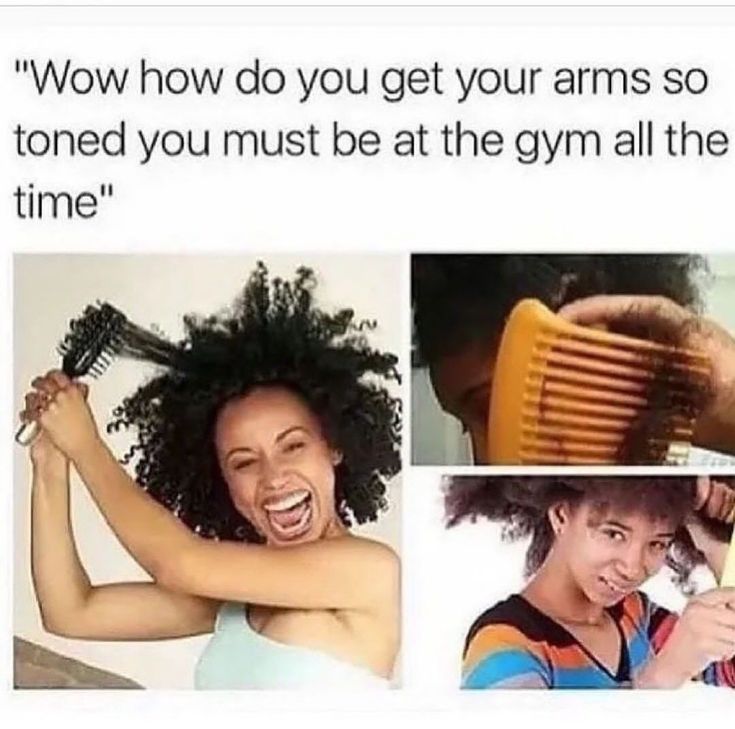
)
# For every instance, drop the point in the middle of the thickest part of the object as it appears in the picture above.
(93, 339)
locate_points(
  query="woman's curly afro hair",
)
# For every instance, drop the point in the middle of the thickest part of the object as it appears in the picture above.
(463, 298)
(274, 335)
(521, 503)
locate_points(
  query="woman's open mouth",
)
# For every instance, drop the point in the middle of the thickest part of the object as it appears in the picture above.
(289, 516)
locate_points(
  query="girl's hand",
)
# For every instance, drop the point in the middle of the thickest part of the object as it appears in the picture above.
(64, 414)
(710, 526)
(44, 454)
(704, 634)
(715, 499)
(664, 320)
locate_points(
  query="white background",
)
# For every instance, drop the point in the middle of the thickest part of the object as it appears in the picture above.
(376, 203)
(369, 205)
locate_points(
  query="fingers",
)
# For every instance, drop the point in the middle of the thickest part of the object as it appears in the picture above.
(720, 596)
(46, 388)
(34, 401)
(704, 487)
(719, 641)
(719, 649)
(51, 382)
(724, 618)
(620, 309)
(34, 404)
(720, 504)
(715, 499)
(61, 380)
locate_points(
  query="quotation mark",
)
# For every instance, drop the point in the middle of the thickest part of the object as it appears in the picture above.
(106, 189)
(21, 66)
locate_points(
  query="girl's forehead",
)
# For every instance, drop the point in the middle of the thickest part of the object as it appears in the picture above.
(635, 517)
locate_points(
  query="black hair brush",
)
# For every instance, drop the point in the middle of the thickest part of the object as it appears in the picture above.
(101, 333)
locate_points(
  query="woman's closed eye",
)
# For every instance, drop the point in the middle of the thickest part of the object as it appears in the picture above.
(243, 464)
(294, 446)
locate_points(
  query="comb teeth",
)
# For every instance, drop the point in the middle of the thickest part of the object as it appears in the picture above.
(568, 394)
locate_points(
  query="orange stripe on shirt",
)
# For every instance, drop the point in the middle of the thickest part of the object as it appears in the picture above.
(497, 637)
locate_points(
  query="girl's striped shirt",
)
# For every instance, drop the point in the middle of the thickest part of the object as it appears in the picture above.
(515, 645)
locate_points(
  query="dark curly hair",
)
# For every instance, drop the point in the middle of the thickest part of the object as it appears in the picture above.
(459, 298)
(274, 335)
(521, 503)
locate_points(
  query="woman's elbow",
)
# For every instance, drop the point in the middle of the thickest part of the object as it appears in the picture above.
(172, 574)
(66, 627)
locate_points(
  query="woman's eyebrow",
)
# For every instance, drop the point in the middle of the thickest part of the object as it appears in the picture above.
(618, 525)
(290, 430)
(623, 527)
(239, 449)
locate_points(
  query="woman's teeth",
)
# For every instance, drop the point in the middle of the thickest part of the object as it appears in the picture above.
(290, 516)
(286, 502)
(613, 587)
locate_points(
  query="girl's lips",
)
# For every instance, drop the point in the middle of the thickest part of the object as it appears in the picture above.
(615, 588)
(290, 516)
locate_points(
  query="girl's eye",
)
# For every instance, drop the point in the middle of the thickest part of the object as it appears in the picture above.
(660, 546)
(614, 534)
(294, 446)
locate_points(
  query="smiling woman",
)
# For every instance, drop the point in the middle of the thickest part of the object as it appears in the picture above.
(271, 431)
(278, 467)
(582, 620)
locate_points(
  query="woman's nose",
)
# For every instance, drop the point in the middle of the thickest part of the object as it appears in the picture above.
(631, 564)
(272, 475)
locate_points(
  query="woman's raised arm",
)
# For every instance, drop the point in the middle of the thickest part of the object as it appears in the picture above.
(69, 604)
(339, 573)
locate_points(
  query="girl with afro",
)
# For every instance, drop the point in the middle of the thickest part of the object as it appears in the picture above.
(269, 434)
(582, 621)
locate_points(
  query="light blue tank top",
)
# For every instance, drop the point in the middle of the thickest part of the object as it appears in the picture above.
(238, 657)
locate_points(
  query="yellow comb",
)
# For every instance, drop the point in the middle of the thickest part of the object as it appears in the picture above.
(568, 394)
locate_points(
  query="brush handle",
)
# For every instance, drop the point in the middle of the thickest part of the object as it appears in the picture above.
(26, 434)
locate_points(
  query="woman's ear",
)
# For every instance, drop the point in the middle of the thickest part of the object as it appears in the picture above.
(337, 457)
(558, 515)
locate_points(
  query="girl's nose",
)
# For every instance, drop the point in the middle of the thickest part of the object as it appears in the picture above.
(273, 476)
(631, 564)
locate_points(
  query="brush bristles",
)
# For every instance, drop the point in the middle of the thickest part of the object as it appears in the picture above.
(103, 333)
(91, 343)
